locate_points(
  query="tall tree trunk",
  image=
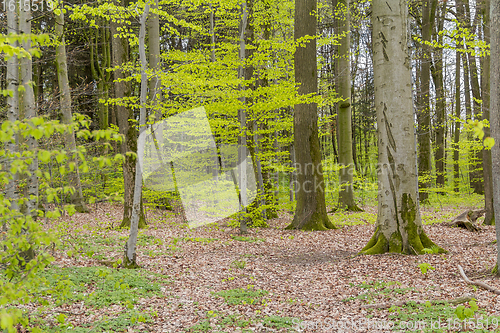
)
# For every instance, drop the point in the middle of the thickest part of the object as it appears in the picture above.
(155, 96)
(495, 112)
(12, 108)
(130, 247)
(456, 134)
(66, 113)
(399, 226)
(242, 117)
(310, 211)
(346, 164)
(476, 175)
(437, 75)
(100, 73)
(125, 119)
(423, 115)
(485, 88)
(29, 111)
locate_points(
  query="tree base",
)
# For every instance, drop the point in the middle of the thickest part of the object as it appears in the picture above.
(378, 244)
(315, 223)
(126, 222)
(347, 208)
(129, 264)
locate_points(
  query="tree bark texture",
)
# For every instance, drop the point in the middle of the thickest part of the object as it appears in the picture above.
(423, 115)
(130, 248)
(346, 163)
(485, 88)
(310, 211)
(495, 110)
(125, 119)
(66, 114)
(399, 226)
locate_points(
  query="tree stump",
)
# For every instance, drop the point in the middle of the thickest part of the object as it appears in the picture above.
(467, 220)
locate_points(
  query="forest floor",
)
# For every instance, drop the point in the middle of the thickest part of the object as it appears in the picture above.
(212, 279)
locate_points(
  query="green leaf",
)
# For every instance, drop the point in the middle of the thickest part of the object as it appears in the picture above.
(489, 142)
(459, 311)
(61, 318)
(44, 156)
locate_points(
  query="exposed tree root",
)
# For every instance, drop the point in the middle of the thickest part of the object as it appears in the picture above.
(477, 283)
(379, 244)
(453, 301)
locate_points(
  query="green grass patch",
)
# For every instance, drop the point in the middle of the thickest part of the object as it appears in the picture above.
(247, 239)
(355, 218)
(219, 322)
(248, 295)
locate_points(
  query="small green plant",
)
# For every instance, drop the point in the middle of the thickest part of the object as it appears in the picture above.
(464, 313)
(247, 295)
(239, 264)
(424, 267)
(433, 250)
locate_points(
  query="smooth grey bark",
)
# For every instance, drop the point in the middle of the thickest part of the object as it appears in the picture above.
(28, 111)
(125, 120)
(242, 117)
(438, 79)
(155, 96)
(13, 107)
(485, 88)
(495, 111)
(399, 226)
(475, 175)
(130, 247)
(423, 115)
(100, 72)
(310, 211)
(456, 134)
(66, 113)
(344, 125)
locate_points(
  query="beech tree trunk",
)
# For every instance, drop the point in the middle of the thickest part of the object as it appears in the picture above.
(66, 113)
(12, 108)
(346, 163)
(125, 119)
(495, 111)
(437, 76)
(155, 96)
(242, 117)
(28, 111)
(423, 115)
(476, 174)
(310, 211)
(456, 134)
(399, 226)
(485, 88)
(130, 247)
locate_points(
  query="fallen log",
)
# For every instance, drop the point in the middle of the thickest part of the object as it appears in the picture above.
(477, 283)
(387, 305)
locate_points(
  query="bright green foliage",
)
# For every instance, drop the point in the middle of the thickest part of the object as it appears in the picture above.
(463, 312)
(248, 295)
(20, 280)
(424, 267)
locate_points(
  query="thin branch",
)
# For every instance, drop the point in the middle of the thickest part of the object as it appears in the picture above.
(477, 283)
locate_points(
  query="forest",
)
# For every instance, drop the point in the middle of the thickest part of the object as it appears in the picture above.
(249, 166)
